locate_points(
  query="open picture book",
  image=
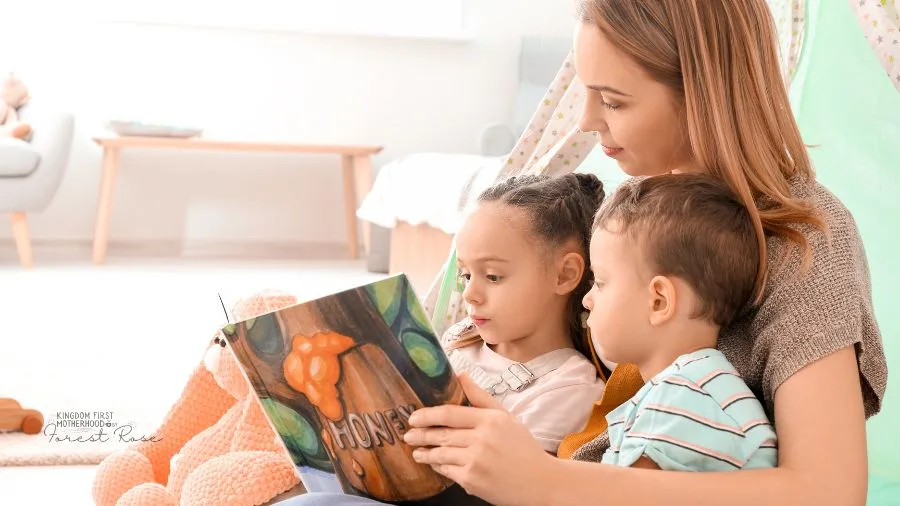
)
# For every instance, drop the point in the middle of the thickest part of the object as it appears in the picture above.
(338, 378)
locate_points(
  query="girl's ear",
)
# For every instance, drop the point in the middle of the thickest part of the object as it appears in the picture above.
(569, 272)
(662, 300)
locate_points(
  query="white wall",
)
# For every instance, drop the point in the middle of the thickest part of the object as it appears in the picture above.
(408, 95)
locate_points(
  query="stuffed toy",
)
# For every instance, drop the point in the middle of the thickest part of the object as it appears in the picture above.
(215, 445)
(13, 94)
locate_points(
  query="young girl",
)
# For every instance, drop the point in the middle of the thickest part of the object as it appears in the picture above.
(522, 254)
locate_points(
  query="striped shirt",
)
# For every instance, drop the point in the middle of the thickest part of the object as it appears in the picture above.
(696, 415)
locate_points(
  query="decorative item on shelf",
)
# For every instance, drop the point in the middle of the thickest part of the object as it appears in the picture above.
(142, 129)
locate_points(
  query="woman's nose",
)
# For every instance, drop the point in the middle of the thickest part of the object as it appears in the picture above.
(592, 116)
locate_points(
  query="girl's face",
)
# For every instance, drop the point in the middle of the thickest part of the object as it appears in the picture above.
(638, 121)
(509, 288)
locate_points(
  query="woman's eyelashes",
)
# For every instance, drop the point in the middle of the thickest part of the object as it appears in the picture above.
(612, 106)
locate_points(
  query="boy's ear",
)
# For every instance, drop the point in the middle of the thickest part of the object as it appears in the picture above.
(662, 300)
(568, 274)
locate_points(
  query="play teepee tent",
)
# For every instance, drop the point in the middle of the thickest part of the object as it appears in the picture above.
(846, 97)
(841, 61)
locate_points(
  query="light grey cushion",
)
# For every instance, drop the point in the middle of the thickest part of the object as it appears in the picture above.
(540, 58)
(17, 158)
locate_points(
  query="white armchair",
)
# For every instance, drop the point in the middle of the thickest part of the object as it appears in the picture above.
(31, 172)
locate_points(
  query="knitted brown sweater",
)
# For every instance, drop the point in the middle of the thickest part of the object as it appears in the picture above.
(804, 317)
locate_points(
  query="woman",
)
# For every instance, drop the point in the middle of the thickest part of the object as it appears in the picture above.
(695, 86)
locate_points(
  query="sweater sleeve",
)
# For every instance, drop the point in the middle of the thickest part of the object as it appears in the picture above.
(810, 315)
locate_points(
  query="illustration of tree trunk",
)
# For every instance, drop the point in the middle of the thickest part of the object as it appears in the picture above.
(366, 324)
(366, 444)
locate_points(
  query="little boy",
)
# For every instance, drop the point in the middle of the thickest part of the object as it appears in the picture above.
(675, 258)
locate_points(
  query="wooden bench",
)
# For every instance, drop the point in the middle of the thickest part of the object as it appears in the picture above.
(356, 164)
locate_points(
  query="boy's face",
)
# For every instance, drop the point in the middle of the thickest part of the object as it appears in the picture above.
(619, 301)
(508, 285)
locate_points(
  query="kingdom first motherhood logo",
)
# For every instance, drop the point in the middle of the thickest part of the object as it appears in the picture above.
(92, 427)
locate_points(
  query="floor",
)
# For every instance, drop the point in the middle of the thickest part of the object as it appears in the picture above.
(122, 338)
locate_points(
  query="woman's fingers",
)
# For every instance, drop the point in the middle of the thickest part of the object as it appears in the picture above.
(440, 436)
(485, 409)
(441, 456)
(459, 417)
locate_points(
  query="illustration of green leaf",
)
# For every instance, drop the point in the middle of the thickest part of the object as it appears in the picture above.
(386, 296)
(417, 311)
(265, 335)
(293, 427)
(425, 354)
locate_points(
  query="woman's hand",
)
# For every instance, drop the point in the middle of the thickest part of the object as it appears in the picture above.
(484, 449)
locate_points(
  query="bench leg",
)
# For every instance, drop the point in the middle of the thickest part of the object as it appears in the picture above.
(350, 205)
(104, 206)
(363, 170)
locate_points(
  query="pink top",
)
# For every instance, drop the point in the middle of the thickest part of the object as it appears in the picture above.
(556, 404)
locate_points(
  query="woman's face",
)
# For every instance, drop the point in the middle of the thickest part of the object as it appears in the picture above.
(638, 121)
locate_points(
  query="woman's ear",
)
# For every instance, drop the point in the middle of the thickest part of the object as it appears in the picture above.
(662, 300)
(569, 272)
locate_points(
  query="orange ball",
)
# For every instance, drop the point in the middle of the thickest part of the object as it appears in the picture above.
(332, 409)
(301, 344)
(313, 391)
(325, 369)
(295, 371)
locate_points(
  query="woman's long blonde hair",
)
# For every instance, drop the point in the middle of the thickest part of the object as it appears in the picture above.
(721, 59)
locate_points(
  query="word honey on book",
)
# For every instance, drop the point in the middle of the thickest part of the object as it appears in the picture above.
(338, 378)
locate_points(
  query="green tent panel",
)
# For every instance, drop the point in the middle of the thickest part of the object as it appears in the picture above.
(849, 111)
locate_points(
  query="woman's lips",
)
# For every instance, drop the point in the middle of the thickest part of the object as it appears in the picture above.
(611, 152)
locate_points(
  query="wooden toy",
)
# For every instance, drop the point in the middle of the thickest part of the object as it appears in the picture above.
(15, 418)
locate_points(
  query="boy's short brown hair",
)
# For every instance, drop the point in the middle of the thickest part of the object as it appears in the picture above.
(692, 227)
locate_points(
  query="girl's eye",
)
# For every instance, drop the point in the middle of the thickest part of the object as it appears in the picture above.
(464, 276)
(598, 285)
(493, 278)
(461, 281)
(609, 106)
